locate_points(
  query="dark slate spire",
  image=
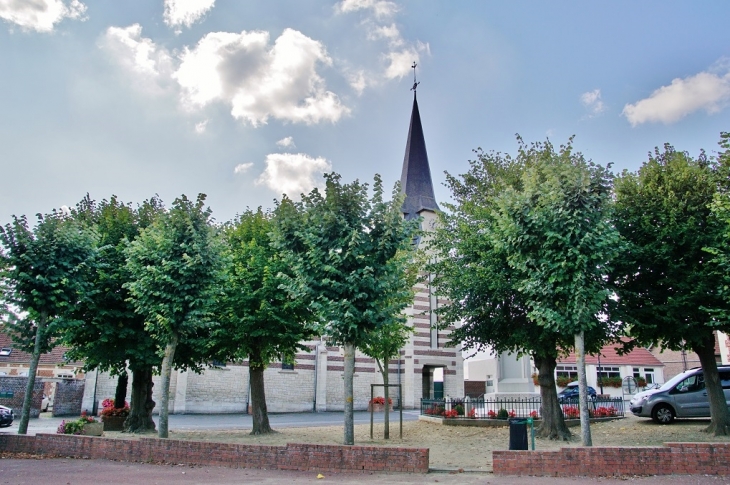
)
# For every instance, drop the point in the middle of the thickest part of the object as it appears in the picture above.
(415, 180)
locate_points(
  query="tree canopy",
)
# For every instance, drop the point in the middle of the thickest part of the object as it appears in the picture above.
(342, 247)
(666, 282)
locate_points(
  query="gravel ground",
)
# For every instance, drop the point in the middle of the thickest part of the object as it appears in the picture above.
(465, 447)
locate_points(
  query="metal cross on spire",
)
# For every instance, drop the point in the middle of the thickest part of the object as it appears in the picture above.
(415, 84)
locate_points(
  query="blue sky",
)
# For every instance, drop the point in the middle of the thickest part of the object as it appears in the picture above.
(246, 100)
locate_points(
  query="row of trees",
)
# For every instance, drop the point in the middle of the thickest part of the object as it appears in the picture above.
(545, 251)
(150, 289)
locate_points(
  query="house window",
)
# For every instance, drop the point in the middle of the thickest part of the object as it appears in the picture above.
(217, 364)
(567, 371)
(285, 366)
(609, 372)
(5, 351)
(646, 373)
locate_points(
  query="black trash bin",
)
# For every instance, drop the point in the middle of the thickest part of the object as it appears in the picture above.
(517, 434)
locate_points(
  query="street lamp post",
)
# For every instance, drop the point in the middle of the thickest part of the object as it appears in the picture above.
(600, 379)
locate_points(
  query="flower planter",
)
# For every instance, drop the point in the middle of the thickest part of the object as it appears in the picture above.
(93, 429)
(113, 423)
(378, 408)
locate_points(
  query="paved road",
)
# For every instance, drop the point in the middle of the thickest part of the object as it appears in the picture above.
(48, 424)
(94, 472)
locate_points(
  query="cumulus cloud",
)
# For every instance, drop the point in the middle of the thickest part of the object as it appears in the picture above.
(293, 173)
(287, 142)
(398, 55)
(593, 103)
(149, 63)
(185, 12)
(242, 167)
(706, 90)
(40, 15)
(258, 80)
(380, 8)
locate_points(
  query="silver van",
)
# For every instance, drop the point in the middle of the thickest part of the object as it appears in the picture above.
(683, 396)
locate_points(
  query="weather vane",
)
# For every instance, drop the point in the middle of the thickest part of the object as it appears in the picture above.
(415, 84)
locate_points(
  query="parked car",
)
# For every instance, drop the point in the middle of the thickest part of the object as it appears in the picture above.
(571, 393)
(46, 403)
(683, 396)
(6, 416)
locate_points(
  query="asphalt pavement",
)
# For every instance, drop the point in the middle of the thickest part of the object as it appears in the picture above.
(187, 422)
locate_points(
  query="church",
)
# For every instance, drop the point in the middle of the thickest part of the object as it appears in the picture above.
(427, 366)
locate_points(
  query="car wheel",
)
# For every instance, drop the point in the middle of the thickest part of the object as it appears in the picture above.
(663, 414)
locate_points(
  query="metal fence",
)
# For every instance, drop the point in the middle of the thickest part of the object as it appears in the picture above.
(480, 408)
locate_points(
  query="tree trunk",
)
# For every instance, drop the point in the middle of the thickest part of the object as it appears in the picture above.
(166, 372)
(386, 392)
(553, 425)
(585, 418)
(719, 416)
(120, 393)
(34, 358)
(258, 397)
(140, 413)
(349, 396)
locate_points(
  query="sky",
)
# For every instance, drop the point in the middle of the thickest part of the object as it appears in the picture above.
(245, 101)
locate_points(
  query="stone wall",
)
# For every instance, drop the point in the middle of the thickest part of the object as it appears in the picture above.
(320, 458)
(671, 459)
(68, 397)
(16, 386)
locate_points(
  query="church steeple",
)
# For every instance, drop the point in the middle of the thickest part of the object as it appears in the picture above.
(415, 178)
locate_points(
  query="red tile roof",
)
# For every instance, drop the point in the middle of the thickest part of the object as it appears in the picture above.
(609, 356)
(17, 356)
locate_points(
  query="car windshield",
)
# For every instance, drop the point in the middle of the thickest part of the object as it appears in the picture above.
(675, 380)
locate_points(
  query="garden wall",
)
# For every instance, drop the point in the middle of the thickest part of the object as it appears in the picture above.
(15, 386)
(672, 458)
(68, 395)
(332, 458)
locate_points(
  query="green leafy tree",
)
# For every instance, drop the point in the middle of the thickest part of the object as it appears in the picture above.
(257, 320)
(175, 266)
(560, 243)
(665, 282)
(108, 335)
(341, 248)
(475, 269)
(385, 343)
(46, 272)
(721, 210)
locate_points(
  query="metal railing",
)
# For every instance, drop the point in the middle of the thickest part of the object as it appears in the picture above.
(480, 408)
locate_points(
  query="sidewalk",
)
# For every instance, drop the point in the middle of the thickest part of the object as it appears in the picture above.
(93, 472)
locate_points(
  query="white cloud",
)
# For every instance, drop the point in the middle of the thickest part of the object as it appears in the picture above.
(287, 142)
(40, 15)
(593, 103)
(293, 173)
(398, 55)
(380, 8)
(201, 127)
(151, 64)
(400, 61)
(242, 167)
(258, 80)
(185, 12)
(706, 90)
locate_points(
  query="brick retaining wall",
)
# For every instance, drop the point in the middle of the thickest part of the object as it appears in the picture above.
(672, 458)
(326, 458)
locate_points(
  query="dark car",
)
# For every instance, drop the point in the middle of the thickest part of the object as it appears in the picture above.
(571, 393)
(6, 417)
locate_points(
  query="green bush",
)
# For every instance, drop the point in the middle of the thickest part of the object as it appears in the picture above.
(459, 409)
(502, 414)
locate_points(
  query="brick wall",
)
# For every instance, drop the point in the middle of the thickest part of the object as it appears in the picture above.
(17, 386)
(672, 458)
(323, 458)
(67, 401)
